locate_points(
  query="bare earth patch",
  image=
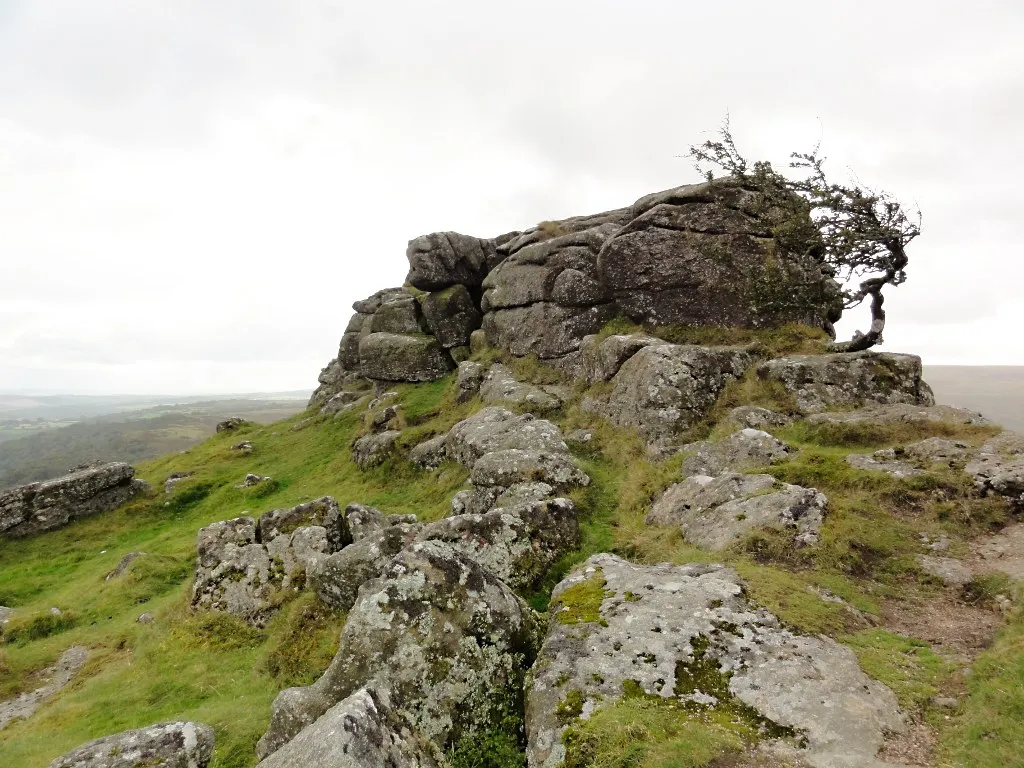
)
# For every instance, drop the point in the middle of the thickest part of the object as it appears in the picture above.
(954, 629)
(1003, 552)
(914, 748)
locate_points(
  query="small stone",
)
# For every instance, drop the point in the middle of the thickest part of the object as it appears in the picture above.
(950, 571)
(945, 702)
(145, 618)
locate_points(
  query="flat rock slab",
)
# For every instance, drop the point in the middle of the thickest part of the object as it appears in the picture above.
(60, 674)
(899, 413)
(500, 386)
(165, 745)
(824, 382)
(1003, 552)
(746, 449)
(361, 731)
(657, 625)
(883, 461)
(716, 512)
(952, 572)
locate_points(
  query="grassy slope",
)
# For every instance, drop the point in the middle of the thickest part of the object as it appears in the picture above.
(213, 669)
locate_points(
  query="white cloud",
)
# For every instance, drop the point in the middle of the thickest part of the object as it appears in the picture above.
(194, 193)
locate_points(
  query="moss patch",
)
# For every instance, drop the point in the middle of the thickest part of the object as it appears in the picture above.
(581, 603)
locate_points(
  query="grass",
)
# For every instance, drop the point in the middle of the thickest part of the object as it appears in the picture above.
(215, 669)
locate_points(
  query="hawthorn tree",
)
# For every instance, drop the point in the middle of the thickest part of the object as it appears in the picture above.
(859, 234)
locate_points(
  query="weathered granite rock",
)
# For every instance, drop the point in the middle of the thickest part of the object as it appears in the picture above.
(741, 450)
(403, 357)
(174, 479)
(441, 632)
(845, 380)
(938, 450)
(704, 254)
(58, 677)
(336, 579)
(949, 570)
(39, 507)
(497, 429)
(371, 450)
(755, 417)
(123, 565)
(232, 423)
(469, 379)
(399, 315)
(897, 413)
(430, 454)
(886, 460)
(341, 402)
(165, 745)
(244, 448)
(363, 520)
(999, 467)
(600, 359)
(686, 633)
(443, 259)
(361, 731)
(451, 315)
(715, 512)
(913, 459)
(544, 329)
(665, 388)
(513, 466)
(500, 386)
(251, 480)
(243, 564)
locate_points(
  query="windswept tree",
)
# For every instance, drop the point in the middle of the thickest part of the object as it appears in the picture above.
(859, 234)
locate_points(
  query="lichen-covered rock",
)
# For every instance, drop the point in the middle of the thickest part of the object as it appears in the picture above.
(403, 357)
(443, 259)
(666, 388)
(938, 450)
(999, 468)
(755, 417)
(341, 402)
(544, 329)
(500, 386)
(165, 745)
(900, 413)
(401, 314)
(704, 254)
(601, 358)
(323, 512)
(885, 460)
(87, 490)
(446, 637)
(451, 315)
(174, 479)
(469, 379)
(364, 521)
(745, 449)
(232, 423)
(715, 512)
(687, 634)
(361, 731)
(497, 429)
(371, 450)
(849, 380)
(514, 466)
(429, 454)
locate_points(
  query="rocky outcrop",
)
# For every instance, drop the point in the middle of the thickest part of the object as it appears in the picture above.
(165, 745)
(715, 512)
(500, 386)
(705, 254)
(371, 450)
(443, 259)
(746, 449)
(664, 389)
(900, 413)
(849, 380)
(243, 564)
(686, 635)
(58, 677)
(999, 468)
(88, 490)
(446, 638)
(361, 731)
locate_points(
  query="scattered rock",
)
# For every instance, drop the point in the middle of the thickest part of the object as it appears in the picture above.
(687, 633)
(937, 450)
(5, 615)
(384, 419)
(145, 618)
(174, 478)
(885, 460)
(1003, 552)
(844, 380)
(945, 702)
(755, 417)
(440, 632)
(500, 386)
(341, 402)
(371, 450)
(952, 572)
(24, 705)
(232, 423)
(251, 480)
(361, 731)
(579, 437)
(714, 513)
(165, 745)
(999, 468)
(741, 450)
(244, 447)
(122, 566)
(39, 507)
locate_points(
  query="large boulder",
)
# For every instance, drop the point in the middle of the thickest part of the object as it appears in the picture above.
(849, 380)
(451, 315)
(361, 731)
(165, 745)
(686, 635)
(403, 357)
(544, 329)
(443, 259)
(87, 490)
(447, 639)
(600, 358)
(705, 254)
(664, 389)
(716, 512)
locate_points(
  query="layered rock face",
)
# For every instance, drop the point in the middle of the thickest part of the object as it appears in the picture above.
(702, 254)
(51, 504)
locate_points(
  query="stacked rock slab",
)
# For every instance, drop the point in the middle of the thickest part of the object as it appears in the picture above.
(38, 507)
(703, 254)
(686, 635)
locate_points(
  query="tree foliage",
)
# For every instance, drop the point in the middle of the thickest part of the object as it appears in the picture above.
(859, 234)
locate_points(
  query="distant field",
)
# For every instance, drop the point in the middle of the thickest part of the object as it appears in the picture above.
(995, 390)
(132, 436)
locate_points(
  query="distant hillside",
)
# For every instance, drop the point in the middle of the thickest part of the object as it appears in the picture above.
(995, 390)
(128, 436)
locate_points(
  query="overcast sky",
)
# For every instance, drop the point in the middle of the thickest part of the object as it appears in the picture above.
(194, 192)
